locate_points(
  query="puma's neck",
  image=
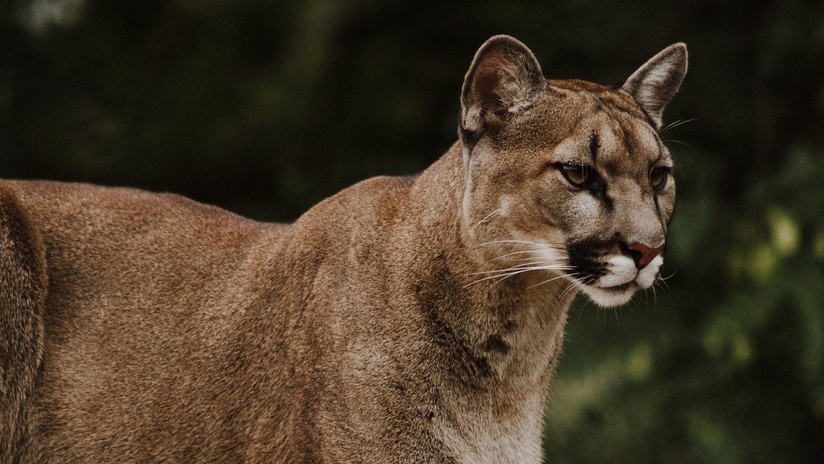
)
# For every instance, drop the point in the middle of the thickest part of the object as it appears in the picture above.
(505, 333)
(514, 323)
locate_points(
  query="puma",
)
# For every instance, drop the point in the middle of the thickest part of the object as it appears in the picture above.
(414, 319)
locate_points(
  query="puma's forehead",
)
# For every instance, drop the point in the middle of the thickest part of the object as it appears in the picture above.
(594, 124)
(602, 96)
(608, 140)
(617, 139)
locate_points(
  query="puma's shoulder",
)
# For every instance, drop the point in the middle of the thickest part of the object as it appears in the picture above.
(374, 199)
(359, 216)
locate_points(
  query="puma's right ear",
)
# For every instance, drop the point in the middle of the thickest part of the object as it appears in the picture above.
(504, 78)
(655, 83)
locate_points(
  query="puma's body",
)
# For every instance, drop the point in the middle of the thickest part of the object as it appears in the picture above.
(271, 340)
(138, 327)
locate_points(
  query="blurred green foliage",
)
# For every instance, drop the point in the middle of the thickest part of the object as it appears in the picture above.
(265, 107)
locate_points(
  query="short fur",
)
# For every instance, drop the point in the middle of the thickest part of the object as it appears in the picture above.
(402, 320)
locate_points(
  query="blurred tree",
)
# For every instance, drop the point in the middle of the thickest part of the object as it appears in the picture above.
(265, 107)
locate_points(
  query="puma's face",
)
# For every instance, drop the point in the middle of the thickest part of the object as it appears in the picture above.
(571, 178)
(589, 196)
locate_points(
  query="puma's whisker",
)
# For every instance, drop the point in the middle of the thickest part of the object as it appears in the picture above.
(528, 265)
(654, 295)
(518, 253)
(677, 123)
(663, 285)
(576, 284)
(499, 242)
(679, 142)
(664, 279)
(484, 219)
(509, 272)
(547, 281)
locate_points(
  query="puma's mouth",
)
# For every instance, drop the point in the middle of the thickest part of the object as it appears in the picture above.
(613, 281)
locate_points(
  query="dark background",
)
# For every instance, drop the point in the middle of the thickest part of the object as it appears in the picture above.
(266, 107)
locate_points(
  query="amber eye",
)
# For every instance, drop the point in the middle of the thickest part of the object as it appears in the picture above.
(577, 174)
(658, 177)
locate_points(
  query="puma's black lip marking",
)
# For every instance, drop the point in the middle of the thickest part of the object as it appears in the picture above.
(585, 257)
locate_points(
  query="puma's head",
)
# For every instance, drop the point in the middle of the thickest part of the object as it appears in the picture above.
(568, 176)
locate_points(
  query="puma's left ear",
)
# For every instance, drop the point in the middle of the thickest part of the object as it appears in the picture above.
(504, 79)
(655, 83)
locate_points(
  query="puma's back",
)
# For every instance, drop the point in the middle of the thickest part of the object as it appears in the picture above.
(402, 320)
(153, 317)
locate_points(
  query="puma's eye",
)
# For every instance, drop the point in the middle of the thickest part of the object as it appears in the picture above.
(577, 174)
(658, 177)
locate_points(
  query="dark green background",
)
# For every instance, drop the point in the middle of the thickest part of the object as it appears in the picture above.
(266, 107)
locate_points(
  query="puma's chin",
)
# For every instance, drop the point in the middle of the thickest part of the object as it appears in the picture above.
(611, 296)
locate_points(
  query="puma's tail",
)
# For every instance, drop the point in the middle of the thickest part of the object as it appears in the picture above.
(23, 288)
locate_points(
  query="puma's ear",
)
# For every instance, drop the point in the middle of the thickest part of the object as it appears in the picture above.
(504, 78)
(655, 83)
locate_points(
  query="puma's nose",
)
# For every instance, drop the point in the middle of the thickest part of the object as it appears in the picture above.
(643, 254)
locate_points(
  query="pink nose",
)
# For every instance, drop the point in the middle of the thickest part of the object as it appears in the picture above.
(643, 255)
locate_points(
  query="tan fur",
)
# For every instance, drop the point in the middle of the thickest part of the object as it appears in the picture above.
(401, 320)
